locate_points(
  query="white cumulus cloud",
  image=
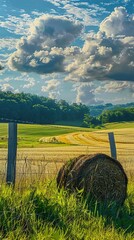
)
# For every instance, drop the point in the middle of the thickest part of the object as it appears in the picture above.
(6, 87)
(85, 94)
(43, 49)
(115, 87)
(118, 23)
(52, 88)
(51, 85)
(107, 55)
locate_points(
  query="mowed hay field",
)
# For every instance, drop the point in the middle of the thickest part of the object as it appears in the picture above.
(42, 150)
(35, 209)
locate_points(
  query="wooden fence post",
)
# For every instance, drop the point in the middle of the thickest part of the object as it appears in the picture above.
(12, 151)
(112, 145)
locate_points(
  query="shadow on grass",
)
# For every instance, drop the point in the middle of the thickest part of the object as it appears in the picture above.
(50, 211)
(121, 217)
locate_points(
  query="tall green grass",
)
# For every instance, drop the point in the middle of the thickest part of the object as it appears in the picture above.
(44, 213)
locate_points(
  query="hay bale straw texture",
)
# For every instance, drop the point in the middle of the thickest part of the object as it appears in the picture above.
(99, 176)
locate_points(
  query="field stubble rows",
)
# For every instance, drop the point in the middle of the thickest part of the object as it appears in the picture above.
(37, 163)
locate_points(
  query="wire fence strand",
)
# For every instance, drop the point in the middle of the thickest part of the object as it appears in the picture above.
(36, 164)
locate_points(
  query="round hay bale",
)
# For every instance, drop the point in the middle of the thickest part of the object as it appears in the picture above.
(99, 176)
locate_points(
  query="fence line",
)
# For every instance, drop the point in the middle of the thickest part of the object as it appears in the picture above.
(35, 168)
(7, 120)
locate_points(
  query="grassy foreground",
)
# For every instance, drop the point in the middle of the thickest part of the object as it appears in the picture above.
(44, 213)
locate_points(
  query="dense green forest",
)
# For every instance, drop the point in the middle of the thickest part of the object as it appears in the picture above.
(109, 116)
(117, 115)
(37, 109)
(43, 110)
(96, 110)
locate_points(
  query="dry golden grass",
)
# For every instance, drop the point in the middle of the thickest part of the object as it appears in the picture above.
(40, 162)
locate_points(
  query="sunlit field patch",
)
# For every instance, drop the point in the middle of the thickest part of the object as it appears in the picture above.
(42, 150)
(39, 157)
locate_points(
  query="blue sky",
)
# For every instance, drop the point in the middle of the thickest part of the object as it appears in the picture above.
(80, 51)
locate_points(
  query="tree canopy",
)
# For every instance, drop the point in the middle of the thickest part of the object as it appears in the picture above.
(38, 109)
(24, 107)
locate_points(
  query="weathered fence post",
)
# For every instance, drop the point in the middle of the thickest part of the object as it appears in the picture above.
(112, 145)
(12, 150)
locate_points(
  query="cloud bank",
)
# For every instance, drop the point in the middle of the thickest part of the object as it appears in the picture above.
(52, 88)
(118, 23)
(6, 87)
(43, 49)
(115, 87)
(85, 94)
(105, 55)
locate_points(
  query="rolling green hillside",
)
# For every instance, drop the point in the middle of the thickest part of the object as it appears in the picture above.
(29, 135)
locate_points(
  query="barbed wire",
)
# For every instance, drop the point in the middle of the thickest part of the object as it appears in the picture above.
(27, 165)
(7, 120)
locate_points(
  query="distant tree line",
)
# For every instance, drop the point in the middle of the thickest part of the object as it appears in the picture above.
(43, 110)
(37, 109)
(96, 110)
(117, 115)
(109, 116)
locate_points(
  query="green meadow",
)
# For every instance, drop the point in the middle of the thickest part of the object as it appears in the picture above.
(29, 135)
(119, 125)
